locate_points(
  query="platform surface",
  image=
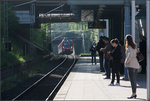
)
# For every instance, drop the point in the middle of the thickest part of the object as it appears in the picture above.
(85, 82)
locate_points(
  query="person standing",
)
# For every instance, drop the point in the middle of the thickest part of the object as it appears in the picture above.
(93, 52)
(116, 61)
(105, 50)
(122, 57)
(131, 63)
(98, 47)
(142, 46)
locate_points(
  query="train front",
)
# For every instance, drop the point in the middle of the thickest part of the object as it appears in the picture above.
(67, 47)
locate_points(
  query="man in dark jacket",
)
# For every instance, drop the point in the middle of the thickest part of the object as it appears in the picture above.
(99, 46)
(142, 45)
(105, 50)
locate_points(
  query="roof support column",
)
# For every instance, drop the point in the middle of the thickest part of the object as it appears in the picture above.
(148, 46)
(127, 25)
(127, 29)
(133, 18)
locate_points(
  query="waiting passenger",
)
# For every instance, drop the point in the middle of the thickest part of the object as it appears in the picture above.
(132, 63)
(98, 47)
(122, 57)
(142, 45)
(105, 50)
(116, 61)
(93, 52)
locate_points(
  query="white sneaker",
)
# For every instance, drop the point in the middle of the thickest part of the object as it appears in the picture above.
(111, 84)
(117, 84)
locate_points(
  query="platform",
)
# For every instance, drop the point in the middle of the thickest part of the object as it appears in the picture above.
(85, 82)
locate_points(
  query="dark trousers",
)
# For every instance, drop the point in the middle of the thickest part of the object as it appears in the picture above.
(107, 68)
(93, 57)
(143, 65)
(132, 76)
(101, 62)
(122, 69)
(115, 73)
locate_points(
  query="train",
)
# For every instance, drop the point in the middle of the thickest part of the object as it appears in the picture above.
(66, 46)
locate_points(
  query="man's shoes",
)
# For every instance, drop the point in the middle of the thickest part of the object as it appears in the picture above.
(107, 78)
(111, 84)
(125, 79)
(104, 74)
(117, 84)
(102, 70)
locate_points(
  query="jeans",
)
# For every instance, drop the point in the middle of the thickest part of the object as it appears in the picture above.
(107, 68)
(125, 72)
(94, 58)
(132, 77)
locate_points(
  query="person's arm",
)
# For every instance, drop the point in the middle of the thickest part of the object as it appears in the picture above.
(107, 48)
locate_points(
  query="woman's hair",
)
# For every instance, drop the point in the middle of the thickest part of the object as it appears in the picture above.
(105, 38)
(115, 41)
(130, 42)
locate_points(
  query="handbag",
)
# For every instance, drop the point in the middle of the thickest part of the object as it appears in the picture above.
(139, 56)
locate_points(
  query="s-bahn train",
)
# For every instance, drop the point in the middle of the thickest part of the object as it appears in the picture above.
(65, 47)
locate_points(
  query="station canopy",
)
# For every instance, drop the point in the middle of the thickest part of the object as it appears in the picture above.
(74, 10)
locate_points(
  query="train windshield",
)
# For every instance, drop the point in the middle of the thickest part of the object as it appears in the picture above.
(67, 44)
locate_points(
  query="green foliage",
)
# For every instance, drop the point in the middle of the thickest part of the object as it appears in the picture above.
(8, 59)
(87, 54)
(13, 57)
(37, 37)
(40, 37)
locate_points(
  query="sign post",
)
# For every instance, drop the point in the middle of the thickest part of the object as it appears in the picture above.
(133, 18)
(148, 46)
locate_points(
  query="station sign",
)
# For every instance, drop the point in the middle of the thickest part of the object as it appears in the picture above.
(25, 17)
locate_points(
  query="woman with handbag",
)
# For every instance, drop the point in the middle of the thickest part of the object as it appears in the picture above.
(131, 63)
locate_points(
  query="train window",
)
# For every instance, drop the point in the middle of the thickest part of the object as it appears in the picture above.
(67, 44)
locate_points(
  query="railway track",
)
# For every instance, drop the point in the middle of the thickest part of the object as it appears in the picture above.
(46, 87)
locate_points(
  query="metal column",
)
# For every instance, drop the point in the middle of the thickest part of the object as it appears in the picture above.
(133, 19)
(127, 29)
(127, 26)
(148, 46)
(6, 22)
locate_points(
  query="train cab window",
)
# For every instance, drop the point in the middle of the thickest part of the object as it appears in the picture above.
(67, 44)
